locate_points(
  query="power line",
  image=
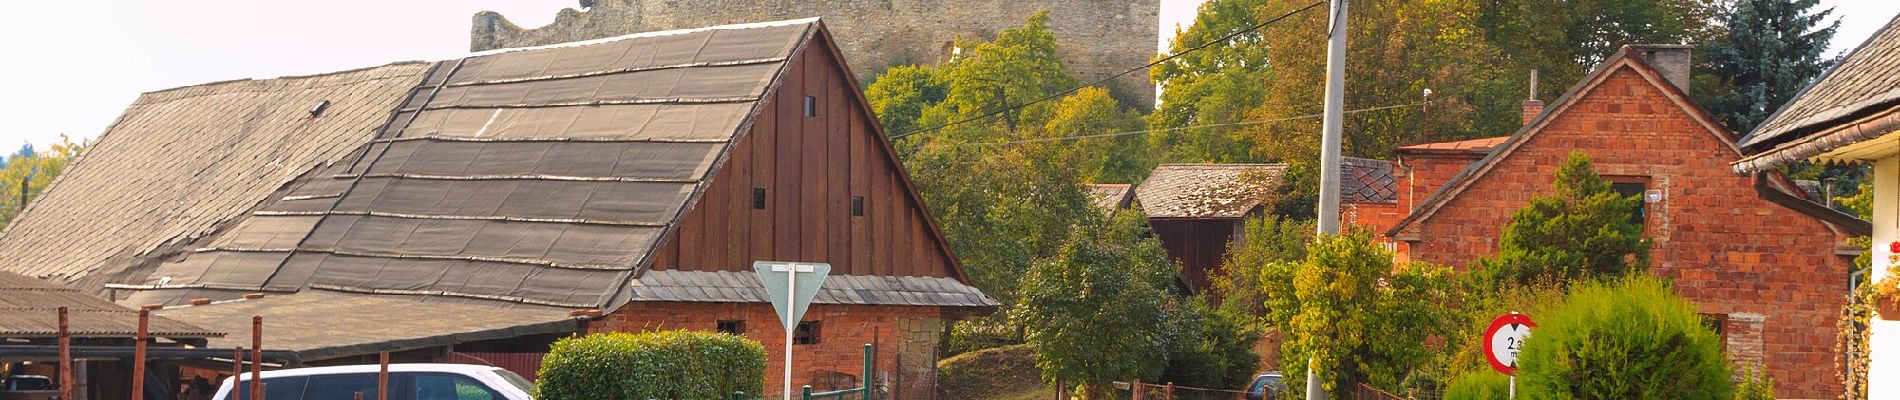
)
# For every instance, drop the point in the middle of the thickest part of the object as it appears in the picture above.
(1126, 133)
(1222, 39)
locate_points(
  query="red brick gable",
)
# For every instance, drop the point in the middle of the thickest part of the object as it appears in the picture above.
(1770, 274)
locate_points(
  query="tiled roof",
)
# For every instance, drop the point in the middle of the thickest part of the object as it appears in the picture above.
(1474, 145)
(1364, 180)
(181, 163)
(1111, 197)
(1864, 81)
(1207, 190)
(29, 308)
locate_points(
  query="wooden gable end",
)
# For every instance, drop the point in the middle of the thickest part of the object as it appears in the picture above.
(833, 190)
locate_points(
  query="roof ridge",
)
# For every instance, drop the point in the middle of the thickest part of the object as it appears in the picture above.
(285, 77)
(650, 34)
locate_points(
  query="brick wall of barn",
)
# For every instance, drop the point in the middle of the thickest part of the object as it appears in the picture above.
(907, 339)
(1768, 273)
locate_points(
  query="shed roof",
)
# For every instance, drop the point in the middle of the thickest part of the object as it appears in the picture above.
(1111, 197)
(1478, 146)
(1207, 190)
(29, 308)
(1364, 180)
(321, 324)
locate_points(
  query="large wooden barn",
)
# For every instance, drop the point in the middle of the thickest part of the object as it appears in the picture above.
(476, 209)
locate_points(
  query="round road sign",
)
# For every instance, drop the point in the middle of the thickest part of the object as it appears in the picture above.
(1504, 339)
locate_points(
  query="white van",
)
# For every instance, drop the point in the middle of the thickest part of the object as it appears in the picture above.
(406, 382)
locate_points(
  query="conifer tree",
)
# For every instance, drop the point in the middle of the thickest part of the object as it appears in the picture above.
(1773, 50)
(1584, 229)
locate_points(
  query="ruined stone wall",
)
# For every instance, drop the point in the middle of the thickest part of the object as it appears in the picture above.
(1097, 38)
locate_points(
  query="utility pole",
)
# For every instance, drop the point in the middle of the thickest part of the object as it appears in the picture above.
(1330, 131)
(1329, 158)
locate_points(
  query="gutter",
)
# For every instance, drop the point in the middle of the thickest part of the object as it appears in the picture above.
(1824, 141)
(1848, 224)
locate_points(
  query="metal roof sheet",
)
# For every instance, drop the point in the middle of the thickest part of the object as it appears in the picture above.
(743, 287)
(29, 308)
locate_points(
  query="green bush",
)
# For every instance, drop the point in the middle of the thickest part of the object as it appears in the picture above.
(1479, 385)
(654, 365)
(1631, 339)
(1208, 348)
(1755, 386)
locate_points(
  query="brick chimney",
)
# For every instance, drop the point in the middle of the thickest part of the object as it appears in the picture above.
(1532, 106)
(1670, 59)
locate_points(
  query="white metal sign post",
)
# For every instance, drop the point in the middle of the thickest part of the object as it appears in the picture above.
(791, 296)
(1503, 340)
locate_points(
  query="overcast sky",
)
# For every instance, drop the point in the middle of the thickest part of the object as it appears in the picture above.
(72, 69)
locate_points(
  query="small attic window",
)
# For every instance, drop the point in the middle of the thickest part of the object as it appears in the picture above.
(317, 110)
(857, 206)
(811, 106)
(758, 198)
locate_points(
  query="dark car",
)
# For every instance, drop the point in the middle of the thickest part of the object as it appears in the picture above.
(1267, 386)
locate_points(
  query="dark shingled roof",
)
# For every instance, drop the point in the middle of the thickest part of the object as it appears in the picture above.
(1863, 81)
(29, 308)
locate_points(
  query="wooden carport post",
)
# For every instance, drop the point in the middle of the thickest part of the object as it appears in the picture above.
(138, 355)
(65, 357)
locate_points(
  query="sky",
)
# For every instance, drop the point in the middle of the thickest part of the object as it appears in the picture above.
(72, 69)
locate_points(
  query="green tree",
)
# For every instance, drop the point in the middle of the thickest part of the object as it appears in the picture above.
(1208, 348)
(1629, 339)
(1773, 49)
(1350, 310)
(1212, 86)
(900, 95)
(37, 169)
(1565, 39)
(1265, 240)
(1092, 311)
(1583, 229)
(1479, 385)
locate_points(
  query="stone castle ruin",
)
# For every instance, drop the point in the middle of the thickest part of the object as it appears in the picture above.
(1097, 38)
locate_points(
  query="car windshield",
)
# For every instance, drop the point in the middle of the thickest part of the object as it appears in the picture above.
(515, 379)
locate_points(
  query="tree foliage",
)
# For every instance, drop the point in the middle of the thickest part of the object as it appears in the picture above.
(1265, 240)
(1479, 385)
(1633, 338)
(1094, 311)
(1347, 308)
(1772, 50)
(1583, 229)
(37, 169)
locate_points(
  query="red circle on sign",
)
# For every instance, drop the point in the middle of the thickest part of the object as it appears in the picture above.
(1498, 324)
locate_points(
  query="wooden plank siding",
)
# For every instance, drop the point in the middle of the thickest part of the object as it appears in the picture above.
(811, 168)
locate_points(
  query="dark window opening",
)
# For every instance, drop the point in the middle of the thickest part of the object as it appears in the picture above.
(732, 327)
(857, 206)
(1627, 189)
(807, 333)
(1714, 323)
(811, 106)
(758, 198)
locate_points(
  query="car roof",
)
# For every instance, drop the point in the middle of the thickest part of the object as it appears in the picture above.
(372, 368)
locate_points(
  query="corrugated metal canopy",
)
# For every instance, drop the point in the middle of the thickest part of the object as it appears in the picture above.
(320, 324)
(29, 308)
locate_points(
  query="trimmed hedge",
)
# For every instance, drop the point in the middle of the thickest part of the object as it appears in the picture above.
(654, 365)
(1631, 339)
(1479, 385)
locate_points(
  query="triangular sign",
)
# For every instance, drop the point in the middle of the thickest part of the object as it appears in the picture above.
(779, 280)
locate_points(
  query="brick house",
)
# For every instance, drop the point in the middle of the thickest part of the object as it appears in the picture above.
(1851, 115)
(1767, 265)
(476, 209)
(1199, 210)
